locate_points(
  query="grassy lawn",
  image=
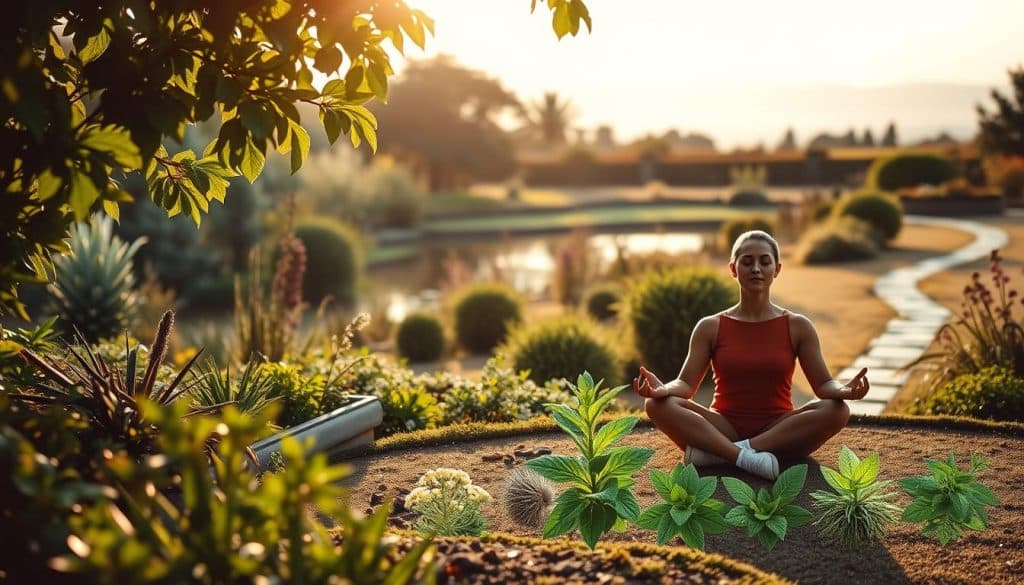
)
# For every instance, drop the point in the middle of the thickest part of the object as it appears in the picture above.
(595, 218)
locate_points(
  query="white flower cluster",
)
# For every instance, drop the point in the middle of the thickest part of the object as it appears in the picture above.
(447, 487)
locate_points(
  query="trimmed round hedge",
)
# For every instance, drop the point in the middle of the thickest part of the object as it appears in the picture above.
(663, 308)
(993, 393)
(882, 212)
(562, 348)
(483, 314)
(601, 300)
(843, 240)
(420, 338)
(910, 170)
(333, 260)
(749, 197)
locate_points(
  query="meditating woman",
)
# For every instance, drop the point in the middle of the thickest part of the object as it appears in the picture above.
(752, 348)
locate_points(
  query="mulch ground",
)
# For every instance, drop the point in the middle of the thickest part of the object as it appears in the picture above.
(995, 555)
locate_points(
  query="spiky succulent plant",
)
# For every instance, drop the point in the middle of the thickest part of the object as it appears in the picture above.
(94, 286)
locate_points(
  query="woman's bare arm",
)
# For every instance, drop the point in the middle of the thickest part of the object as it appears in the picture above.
(813, 364)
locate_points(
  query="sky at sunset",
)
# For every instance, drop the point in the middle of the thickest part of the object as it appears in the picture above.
(742, 71)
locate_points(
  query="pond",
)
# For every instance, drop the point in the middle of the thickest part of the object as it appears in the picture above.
(525, 263)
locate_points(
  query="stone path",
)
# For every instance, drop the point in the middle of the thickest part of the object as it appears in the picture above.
(907, 335)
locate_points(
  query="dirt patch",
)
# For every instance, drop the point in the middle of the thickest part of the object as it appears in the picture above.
(904, 556)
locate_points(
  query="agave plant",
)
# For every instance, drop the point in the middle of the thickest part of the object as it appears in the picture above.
(93, 291)
(250, 394)
(107, 397)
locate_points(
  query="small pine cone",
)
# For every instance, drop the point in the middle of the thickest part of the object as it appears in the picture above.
(528, 496)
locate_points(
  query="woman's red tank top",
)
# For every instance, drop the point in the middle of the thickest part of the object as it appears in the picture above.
(753, 363)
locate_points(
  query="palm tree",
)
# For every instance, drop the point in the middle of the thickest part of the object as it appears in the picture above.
(551, 118)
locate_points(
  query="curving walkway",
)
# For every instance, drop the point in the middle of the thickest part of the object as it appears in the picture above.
(918, 317)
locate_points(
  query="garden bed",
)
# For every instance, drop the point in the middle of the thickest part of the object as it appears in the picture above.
(904, 556)
(954, 206)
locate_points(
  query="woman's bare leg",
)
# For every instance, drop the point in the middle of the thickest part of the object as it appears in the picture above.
(688, 423)
(799, 433)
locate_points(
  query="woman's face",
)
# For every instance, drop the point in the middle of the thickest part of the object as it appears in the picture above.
(755, 267)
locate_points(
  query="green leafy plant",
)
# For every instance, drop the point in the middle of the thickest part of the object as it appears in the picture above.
(993, 393)
(949, 500)
(562, 346)
(860, 508)
(14, 371)
(448, 503)
(601, 477)
(688, 511)
(483, 315)
(769, 513)
(881, 211)
(420, 338)
(250, 393)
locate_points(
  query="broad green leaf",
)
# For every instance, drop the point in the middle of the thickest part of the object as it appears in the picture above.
(568, 419)
(565, 515)
(677, 493)
(111, 208)
(83, 195)
(612, 432)
(559, 468)
(626, 505)
(602, 401)
(835, 479)
(738, 489)
(95, 46)
(48, 184)
(867, 470)
(916, 486)
(252, 161)
(594, 521)
(962, 510)
(976, 523)
(679, 515)
(712, 520)
(767, 539)
(667, 529)
(790, 482)
(983, 494)
(607, 495)
(585, 390)
(624, 461)
(327, 60)
(705, 489)
(662, 483)
(114, 141)
(918, 511)
(692, 534)
(690, 480)
(737, 516)
(796, 515)
(300, 146)
(650, 517)
(778, 525)
(848, 461)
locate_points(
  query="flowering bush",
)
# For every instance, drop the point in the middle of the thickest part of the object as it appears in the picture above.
(448, 503)
(986, 333)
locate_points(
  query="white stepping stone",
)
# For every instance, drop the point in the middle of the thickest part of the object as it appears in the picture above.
(865, 407)
(921, 340)
(877, 376)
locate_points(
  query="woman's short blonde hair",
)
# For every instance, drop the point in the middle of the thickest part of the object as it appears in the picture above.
(754, 235)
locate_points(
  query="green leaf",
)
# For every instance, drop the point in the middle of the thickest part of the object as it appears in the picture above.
(738, 489)
(624, 461)
(607, 495)
(111, 208)
(835, 479)
(705, 489)
(48, 185)
(796, 515)
(560, 468)
(679, 515)
(790, 482)
(693, 535)
(115, 142)
(917, 486)
(778, 525)
(595, 520)
(568, 419)
(83, 195)
(626, 505)
(651, 517)
(867, 470)
(768, 539)
(300, 146)
(848, 461)
(566, 514)
(600, 403)
(690, 480)
(918, 511)
(739, 515)
(667, 529)
(252, 162)
(662, 483)
(612, 432)
(712, 520)
(95, 46)
(560, 20)
(983, 494)
(327, 60)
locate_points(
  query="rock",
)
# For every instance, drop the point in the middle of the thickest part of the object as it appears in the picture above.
(376, 498)
(492, 456)
(509, 460)
(543, 450)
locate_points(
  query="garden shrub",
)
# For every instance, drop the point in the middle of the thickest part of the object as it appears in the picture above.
(483, 315)
(910, 170)
(210, 292)
(1011, 184)
(732, 228)
(748, 198)
(844, 240)
(601, 300)
(420, 338)
(391, 198)
(993, 393)
(299, 394)
(662, 309)
(333, 259)
(561, 348)
(407, 408)
(882, 212)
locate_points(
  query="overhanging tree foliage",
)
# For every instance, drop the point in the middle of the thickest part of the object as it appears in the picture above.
(1002, 131)
(90, 91)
